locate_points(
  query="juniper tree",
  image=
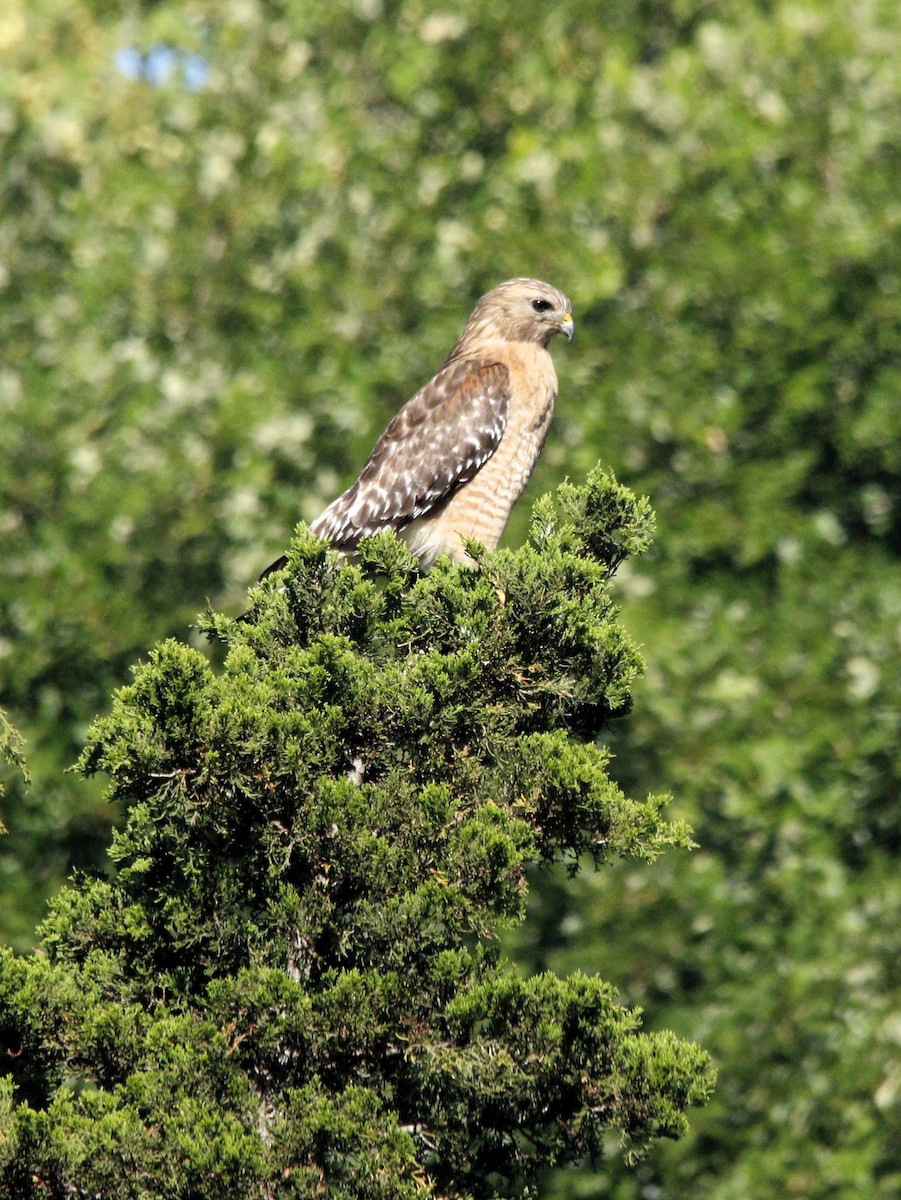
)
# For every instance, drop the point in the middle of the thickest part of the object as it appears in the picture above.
(290, 986)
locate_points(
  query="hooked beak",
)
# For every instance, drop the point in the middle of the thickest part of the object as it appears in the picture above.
(567, 327)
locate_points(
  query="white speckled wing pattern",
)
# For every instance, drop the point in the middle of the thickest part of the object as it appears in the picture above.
(481, 508)
(438, 442)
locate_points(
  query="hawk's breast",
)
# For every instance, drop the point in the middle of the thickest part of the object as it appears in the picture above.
(480, 508)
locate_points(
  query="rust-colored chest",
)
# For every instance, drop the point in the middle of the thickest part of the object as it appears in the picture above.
(481, 507)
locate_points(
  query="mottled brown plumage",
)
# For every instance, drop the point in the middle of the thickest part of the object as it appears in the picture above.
(459, 453)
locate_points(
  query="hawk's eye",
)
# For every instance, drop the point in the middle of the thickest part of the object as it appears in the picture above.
(542, 305)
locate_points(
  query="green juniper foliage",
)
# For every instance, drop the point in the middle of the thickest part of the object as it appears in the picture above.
(290, 987)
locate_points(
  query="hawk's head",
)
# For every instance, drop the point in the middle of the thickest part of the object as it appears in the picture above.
(522, 310)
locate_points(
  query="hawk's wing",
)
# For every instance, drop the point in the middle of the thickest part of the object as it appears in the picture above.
(437, 442)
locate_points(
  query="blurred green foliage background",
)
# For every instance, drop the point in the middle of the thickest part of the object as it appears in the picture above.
(236, 235)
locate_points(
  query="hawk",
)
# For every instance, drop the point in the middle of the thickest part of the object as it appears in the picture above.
(458, 455)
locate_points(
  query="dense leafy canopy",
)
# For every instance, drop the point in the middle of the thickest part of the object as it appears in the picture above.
(290, 987)
(215, 290)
